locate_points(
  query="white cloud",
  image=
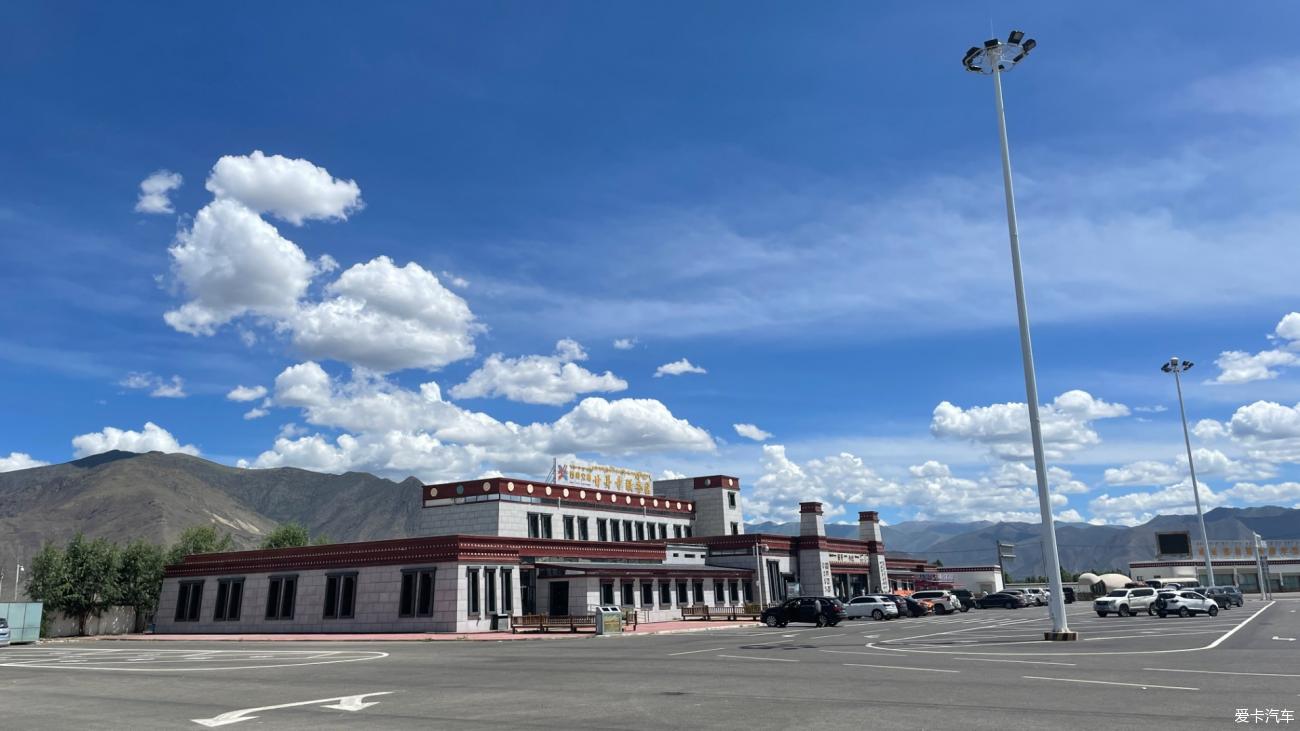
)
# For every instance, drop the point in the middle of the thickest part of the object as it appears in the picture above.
(455, 281)
(1288, 328)
(1136, 508)
(1237, 366)
(677, 368)
(1004, 428)
(538, 379)
(155, 190)
(173, 388)
(305, 384)
(624, 343)
(255, 413)
(1209, 463)
(243, 393)
(152, 438)
(1157, 409)
(290, 189)
(750, 431)
(1285, 494)
(19, 461)
(387, 318)
(1268, 430)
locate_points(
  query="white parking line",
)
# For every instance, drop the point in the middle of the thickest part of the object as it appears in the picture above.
(1027, 662)
(768, 659)
(1221, 672)
(898, 667)
(692, 652)
(1143, 686)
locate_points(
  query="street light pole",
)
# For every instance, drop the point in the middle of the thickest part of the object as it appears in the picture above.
(1176, 367)
(994, 58)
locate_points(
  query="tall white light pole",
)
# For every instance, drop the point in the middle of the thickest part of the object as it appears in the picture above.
(1176, 366)
(994, 58)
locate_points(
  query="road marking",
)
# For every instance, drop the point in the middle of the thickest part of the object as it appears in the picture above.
(1284, 639)
(1027, 662)
(898, 667)
(859, 652)
(109, 663)
(1143, 686)
(345, 703)
(1221, 672)
(768, 659)
(692, 652)
(822, 637)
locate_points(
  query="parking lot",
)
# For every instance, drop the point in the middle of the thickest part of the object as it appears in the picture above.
(983, 669)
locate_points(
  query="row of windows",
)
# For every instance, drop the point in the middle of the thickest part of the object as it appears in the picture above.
(607, 529)
(722, 591)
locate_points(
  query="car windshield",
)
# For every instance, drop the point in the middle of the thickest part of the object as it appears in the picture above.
(1118, 592)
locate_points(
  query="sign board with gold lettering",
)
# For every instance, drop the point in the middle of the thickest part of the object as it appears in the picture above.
(604, 477)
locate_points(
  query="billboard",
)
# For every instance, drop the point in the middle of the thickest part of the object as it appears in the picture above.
(1173, 544)
(604, 477)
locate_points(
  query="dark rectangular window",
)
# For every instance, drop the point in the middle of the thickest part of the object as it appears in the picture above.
(280, 595)
(424, 597)
(582, 530)
(734, 591)
(698, 588)
(416, 599)
(490, 588)
(471, 580)
(614, 535)
(682, 597)
(665, 593)
(568, 528)
(731, 500)
(640, 531)
(189, 599)
(607, 593)
(507, 590)
(546, 526)
(748, 586)
(687, 530)
(647, 593)
(602, 529)
(718, 596)
(627, 530)
(534, 525)
(663, 531)
(230, 597)
(677, 531)
(735, 529)
(629, 594)
(340, 596)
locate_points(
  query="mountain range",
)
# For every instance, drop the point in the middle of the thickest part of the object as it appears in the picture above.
(123, 496)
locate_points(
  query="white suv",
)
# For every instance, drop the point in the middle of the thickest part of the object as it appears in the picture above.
(1038, 595)
(1126, 602)
(1184, 604)
(944, 601)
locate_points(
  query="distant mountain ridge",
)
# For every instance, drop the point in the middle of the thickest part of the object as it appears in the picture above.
(123, 496)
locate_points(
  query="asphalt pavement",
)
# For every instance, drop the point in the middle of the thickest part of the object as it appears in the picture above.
(982, 669)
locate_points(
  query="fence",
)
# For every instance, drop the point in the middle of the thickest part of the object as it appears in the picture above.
(24, 620)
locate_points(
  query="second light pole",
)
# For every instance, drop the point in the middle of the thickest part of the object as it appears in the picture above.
(1176, 366)
(995, 57)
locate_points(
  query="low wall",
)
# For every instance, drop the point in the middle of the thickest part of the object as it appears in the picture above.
(114, 621)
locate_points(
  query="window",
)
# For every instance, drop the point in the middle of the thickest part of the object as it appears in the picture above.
(677, 531)
(627, 530)
(748, 587)
(613, 526)
(731, 500)
(665, 594)
(188, 600)
(698, 589)
(735, 529)
(663, 530)
(471, 581)
(687, 529)
(629, 594)
(417, 593)
(230, 595)
(534, 525)
(602, 529)
(718, 596)
(640, 531)
(507, 591)
(568, 528)
(647, 593)
(340, 595)
(682, 596)
(490, 588)
(582, 530)
(607, 593)
(734, 591)
(280, 595)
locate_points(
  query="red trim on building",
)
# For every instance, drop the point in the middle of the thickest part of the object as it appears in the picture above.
(614, 571)
(868, 516)
(711, 481)
(1236, 562)
(813, 507)
(609, 499)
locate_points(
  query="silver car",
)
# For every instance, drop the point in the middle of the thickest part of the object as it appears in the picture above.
(4, 632)
(861, 607)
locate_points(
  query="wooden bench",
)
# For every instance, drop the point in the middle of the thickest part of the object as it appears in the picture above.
(545, 623)
(696, 612)
(734, 613)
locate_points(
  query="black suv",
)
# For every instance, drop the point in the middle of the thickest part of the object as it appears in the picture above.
(1225, 596)
(818, 610)
(965, 597)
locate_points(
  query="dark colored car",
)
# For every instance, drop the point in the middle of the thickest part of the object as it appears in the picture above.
(966, 598)
(914, 608)
(898, 601)
(1068, 593)
(818, 610)
(1002, 599)
(1225, 596)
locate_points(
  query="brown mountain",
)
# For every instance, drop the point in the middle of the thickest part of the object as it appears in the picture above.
(122, 496)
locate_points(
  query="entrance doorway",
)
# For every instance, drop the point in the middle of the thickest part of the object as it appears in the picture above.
(528, 590)
(559, 604)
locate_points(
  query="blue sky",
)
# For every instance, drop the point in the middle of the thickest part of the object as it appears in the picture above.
(803, 203)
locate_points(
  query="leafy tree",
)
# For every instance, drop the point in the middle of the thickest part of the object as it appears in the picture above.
(292, 535)
(199, 539)
(47, 581)
(92, 573)
(139, 576)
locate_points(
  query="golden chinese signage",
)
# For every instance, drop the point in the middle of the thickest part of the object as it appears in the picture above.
(604, 477)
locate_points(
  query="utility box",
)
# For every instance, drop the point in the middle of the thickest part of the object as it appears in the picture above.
(609, 621)
(24, 620)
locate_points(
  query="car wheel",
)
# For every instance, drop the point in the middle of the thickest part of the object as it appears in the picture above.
(1123, 611)
(877, 615)
(1184, 612)
(1101, 614)
(940, 609)
(1151, 611)
(770, 621)
(964, 609)
(1213, 611)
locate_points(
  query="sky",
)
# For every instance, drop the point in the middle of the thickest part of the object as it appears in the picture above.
(456, 239)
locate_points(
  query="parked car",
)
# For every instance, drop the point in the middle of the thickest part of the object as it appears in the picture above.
(1039, 596)
(1126, 602)
(1226, 596)
(818, 610)
(4, 632)
(966, 598)
(1029, 599)
(1068, 592)
(899, 602)
(1002, 599)
(943, 600)
(1184, 604)
(861, 607)
(915, 607)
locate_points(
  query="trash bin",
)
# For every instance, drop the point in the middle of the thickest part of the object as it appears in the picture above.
(500, 622)
(609, 621)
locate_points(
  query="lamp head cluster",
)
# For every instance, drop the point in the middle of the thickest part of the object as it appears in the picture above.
(1175, 364)
(998, 55)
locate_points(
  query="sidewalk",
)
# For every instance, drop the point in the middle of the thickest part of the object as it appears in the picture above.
(652, 628)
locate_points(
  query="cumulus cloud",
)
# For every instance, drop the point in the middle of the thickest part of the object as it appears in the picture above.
(1004, 428)
(155, 192)
(289, 189)
(156, 385)
(1209, 463)
(1238, 366)
(19, 461)
(152, 438)
(624, 343)
(750, 431)
(677, 368)
(1268, 431)
(246, 393)
(538, 379)
(256, 413)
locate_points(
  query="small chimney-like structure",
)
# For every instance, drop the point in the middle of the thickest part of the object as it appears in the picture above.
(811, 522)
(869, 532)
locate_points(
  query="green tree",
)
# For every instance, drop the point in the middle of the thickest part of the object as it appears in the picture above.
(139, 577)
(47, 581)
(199, 539)
(92, 573)
(292, 535)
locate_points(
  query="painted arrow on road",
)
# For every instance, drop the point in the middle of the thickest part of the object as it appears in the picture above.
(345, 703)
(1284, 639)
